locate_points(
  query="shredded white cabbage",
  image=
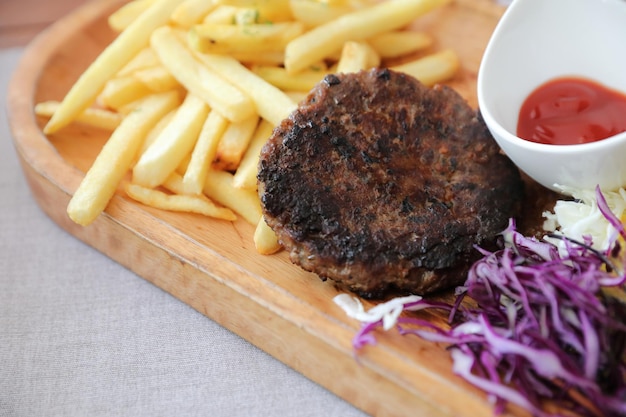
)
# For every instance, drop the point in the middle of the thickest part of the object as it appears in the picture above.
(388, 312)
(582, 217)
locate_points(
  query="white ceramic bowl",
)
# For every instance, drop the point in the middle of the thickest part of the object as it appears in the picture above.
(538, 40)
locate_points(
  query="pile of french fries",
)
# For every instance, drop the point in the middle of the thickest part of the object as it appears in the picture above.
(191, 90)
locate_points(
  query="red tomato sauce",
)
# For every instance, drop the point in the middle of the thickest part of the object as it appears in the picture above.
(568, 111)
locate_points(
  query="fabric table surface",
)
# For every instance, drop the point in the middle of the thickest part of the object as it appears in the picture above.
(81, 335)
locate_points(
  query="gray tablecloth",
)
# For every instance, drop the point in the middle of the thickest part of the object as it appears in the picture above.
(82, 336)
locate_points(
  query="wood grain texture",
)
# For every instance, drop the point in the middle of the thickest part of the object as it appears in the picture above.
(212, 265)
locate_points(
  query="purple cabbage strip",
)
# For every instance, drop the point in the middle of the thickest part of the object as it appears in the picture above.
(543, 331)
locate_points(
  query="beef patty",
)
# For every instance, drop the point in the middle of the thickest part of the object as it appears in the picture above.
(378, 182)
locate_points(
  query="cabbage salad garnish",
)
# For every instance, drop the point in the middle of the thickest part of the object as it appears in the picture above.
(582, 216)
(542, 329)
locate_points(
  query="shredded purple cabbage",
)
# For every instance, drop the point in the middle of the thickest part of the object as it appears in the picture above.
(543, 333)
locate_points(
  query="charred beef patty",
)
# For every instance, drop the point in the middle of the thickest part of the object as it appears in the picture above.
(378, 182)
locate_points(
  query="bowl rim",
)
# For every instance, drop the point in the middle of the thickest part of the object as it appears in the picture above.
(500, 132)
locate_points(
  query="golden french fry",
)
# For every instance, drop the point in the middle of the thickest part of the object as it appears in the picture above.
(202, 82)
(115, 158)
(175, 141)
(297, 96)
(157, 79)
(156, 130)
(247, 16)
(398, 43)
(234, 143)
(182, 167)
(222, 14)
(432, 69)
(203, 153)
(269, 11)
(176, 202)
(315, 13)
(304, 80)
(245, 176)
(130, 107)
(145, 58)
(109, 62)
(125, 15)
(265, 240)
(225, 14)
(323, 40)
(271, 103)
(119, 92)
(191, 12)
(226, 39)
(174, 184)
(357, 56)
(262, 58)
(219, 187)
(96, 117)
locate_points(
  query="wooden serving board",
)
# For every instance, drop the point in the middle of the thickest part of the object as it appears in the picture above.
(212, 265)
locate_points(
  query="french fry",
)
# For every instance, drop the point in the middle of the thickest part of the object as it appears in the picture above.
(127, 13)
(234, 143)
(219, 187)
(271, 103)
(132, 106)
(262, 58)
(179, 202)
(222, 14)
(109, 62)
(156, 130)
(191, 12)
(174, 183)
(315, 13)
(269, 11)
(204, 153)
(246, 16)
(265, 240)
(357, 56)
(225, 14)
(145, 58)
(175, 141)
(245, 176)
(323, 40)
(182, 167)
(227, 39)
(398, 43)
(202, 82)
(118, 92)
(304, 80)
(432, 69)
(297, 96)
(158, 79)
(114, 160)
(96, 117)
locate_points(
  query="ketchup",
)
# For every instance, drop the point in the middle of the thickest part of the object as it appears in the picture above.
(568, 111)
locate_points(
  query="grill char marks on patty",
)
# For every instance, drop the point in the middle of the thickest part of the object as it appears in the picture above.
(380, 183)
